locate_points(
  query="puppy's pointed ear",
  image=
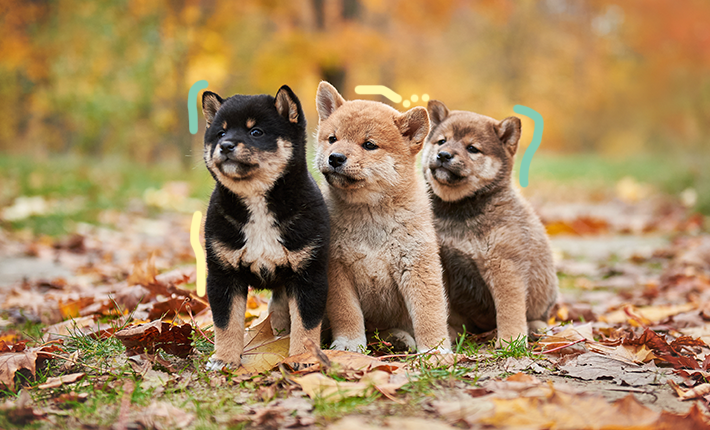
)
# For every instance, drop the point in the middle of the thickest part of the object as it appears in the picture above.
(287, 104)
(211, 103)
(508, 132)
(414, 126)
(437, 112)
(327, 100)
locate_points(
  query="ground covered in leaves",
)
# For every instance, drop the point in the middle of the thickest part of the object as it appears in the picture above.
(103, 329)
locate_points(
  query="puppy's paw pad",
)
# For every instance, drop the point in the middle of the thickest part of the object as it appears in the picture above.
(215, 364)
(442, 350)
(352, 345)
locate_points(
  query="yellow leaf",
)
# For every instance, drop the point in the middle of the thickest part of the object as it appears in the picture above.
(262, 350)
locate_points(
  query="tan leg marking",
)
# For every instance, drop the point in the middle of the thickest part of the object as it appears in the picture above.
(423, 291)
(229, 342)
(299, 334)
(279, 310)
(509, 295)
(344, 311)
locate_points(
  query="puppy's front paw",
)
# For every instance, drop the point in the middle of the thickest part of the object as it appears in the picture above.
(215, 364)
(352, 345)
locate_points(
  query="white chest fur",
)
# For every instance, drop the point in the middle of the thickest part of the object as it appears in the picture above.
(263, 248)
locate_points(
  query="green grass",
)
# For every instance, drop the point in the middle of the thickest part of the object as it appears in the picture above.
(80, 188)
(515, 348)
(670, 173)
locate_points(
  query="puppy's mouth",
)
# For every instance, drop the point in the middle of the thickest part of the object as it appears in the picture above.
(236, 169)
(446, 177)
(342, 181)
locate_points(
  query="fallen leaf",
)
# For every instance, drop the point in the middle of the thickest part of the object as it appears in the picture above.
(690, 394)
(21, 411)
(164, 416)
(157, 335)
(11, 362)
(58, 381)
(344, 361)
(646, 314)
(591, 366)
(262, 350)
(317, 385)
(291, 412)
(70, 327)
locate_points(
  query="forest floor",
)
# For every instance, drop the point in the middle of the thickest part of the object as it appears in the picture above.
(101, 327)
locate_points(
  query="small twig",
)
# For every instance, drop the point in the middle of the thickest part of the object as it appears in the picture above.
(563, 346)
(197, 326)
(71, 359)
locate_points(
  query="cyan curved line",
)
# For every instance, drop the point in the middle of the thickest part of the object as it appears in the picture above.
(536, 140)
(192, 104)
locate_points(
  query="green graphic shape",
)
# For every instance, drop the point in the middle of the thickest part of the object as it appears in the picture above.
(192, 104)
(534, 144)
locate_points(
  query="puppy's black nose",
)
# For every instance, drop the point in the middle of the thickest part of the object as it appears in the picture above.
(444, 156)
(336, 159)
(227, 146)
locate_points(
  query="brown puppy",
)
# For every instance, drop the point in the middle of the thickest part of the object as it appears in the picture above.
(498, 267)
(383, 271)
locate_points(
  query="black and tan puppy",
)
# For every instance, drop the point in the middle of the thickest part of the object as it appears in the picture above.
(267, 224)
(384, 273)
(498, 267)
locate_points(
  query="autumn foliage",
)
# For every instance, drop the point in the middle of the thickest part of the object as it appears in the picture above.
(113, 77)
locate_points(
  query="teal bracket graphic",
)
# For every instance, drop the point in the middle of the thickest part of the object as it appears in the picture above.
(537, 138)
(192, 104)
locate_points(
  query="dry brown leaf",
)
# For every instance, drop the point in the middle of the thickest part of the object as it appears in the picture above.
(345, 360)
(21, 411)
(696, 392)
(646, 314)
(157, 335)
(144, 274)
(70, 327)
(359, 422)
(262, 350)
(11, 362)
(164, 416)
(58, 381)
(321, 386)
(566, 411)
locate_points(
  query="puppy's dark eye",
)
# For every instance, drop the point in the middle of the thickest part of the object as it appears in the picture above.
(441, 142)
(369, 146)
(332, 139)
(256, 132)
(472, 149)
(221, 133)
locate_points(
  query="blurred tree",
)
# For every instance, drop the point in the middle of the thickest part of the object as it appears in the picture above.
(113, 77)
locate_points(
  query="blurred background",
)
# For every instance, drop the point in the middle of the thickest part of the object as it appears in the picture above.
(94, 94)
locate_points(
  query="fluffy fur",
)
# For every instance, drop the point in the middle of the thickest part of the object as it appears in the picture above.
(384, 272)
(267, 224)
(498, 267)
